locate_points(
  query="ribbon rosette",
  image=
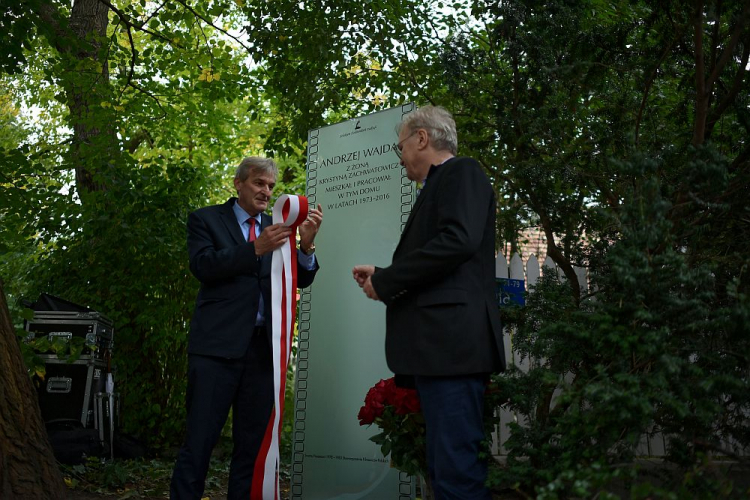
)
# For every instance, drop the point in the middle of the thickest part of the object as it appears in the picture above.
(291, 211)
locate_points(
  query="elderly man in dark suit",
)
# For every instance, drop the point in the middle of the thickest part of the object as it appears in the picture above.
(229, 353)
(442, 322)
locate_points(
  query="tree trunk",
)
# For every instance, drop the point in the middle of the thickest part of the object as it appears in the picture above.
(81, 43)
(93, 137)
(27, 466)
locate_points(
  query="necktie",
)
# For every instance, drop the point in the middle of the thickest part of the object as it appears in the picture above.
(251, 235)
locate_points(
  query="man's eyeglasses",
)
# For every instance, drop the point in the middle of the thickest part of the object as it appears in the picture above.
(401, 145)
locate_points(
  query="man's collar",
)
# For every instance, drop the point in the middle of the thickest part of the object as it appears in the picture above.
(433, 168)
(240, 213)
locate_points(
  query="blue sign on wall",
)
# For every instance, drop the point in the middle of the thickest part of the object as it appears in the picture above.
(510, 292)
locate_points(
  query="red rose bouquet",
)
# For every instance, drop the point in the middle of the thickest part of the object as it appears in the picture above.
(397, 412)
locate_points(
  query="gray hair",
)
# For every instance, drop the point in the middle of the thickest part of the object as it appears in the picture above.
(439, 124)
(266, 165)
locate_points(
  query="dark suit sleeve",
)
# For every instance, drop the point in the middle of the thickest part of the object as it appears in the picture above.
(461, 205)
(306, 276)
(213, 255)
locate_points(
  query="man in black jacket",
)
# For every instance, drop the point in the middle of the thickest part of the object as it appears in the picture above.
(229, 353)
(442, 322)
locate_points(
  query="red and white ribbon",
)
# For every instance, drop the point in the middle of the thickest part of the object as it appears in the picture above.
(290, 211)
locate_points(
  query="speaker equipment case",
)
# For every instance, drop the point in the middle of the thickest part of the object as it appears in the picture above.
(94, 327)
(67, 392)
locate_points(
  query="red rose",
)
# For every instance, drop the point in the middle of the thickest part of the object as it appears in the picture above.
(366, 415)
(375, 401)
(377, 393)
(401, 432)
(386, 393)
(406, 401)
(389, 388)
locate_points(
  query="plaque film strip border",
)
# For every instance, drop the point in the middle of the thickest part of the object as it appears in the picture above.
(407, 186)
(405, 481)
(303, 338)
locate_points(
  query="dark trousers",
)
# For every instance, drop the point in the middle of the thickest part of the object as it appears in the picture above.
(453, 409)
(215, 385)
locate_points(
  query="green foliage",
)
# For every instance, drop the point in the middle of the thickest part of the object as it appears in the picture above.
(331, 60)
(69, 349)
(287, 423)
(403, 438)
(619, 128)
(17, 23)
(108, 258)
(653, 349)
(96, 187)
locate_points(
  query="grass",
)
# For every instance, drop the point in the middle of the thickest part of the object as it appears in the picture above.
(145, 478)
(138, 478)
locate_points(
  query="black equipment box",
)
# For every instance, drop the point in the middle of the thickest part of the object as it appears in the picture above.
(94, 327)
(72, 444)
(67, 393)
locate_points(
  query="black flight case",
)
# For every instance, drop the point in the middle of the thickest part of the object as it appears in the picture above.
(74, 397)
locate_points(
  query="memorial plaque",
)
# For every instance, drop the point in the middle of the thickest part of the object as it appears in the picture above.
(354, 173)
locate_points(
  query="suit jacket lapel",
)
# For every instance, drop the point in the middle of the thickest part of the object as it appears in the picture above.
(427, 192)
(414, 209)
(230, 221)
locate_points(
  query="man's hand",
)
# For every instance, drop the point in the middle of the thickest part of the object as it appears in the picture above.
(309, 228)
(271, 238)
(362, 275)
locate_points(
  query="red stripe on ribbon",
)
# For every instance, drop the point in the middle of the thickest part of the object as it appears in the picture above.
(290, 211)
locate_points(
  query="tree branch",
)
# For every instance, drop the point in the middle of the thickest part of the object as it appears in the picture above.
(140, 27)
(154, 12)
(152, 96)
(49, 14)
(701, 96)
(139, 138)
(132, 60)
(651, 80)
(553, 251)
(739, 77)
(210, 23)
(740, 159)
(703, 85)
(715, 34)
(726, 55)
